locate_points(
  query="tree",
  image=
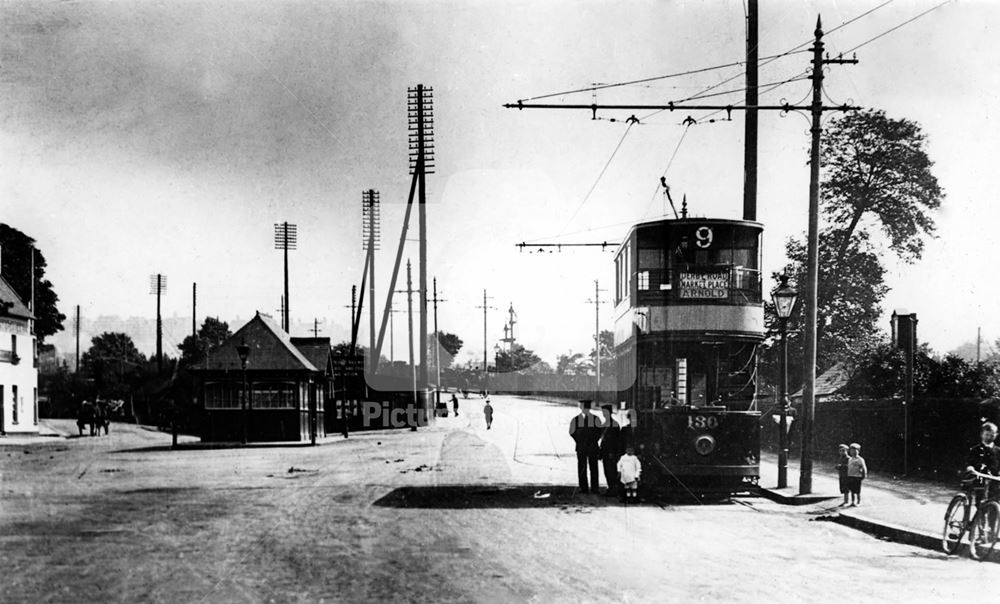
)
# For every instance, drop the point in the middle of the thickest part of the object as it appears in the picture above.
(607, 343)
(877, 181)
(849, 305)
(449, 342)
(517, 359)
(573, 363)
(211, 335)
(877, 168)
(15, 261)
(114, 363)
(879, 371)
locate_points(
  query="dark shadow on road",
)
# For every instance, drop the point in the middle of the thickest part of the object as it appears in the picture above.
(199, 446)
(513, 496)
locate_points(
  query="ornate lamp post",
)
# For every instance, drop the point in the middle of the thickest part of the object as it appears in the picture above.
(784, 298)
(243, 350)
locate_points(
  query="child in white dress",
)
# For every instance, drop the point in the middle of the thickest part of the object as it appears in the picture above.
(629, 469)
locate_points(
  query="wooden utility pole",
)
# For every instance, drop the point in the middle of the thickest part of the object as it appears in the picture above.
(354, 332)
(979, 342)
(437, 344)
(597, 336)
(409, 316)
(812, 263)
(194, 310)
(485, 307)
(31, 296)
(750, 123)
(77, 338)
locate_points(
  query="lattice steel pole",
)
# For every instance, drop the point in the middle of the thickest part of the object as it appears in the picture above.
(370, 234)
(420, 114)
(285, 238)
(157, 286)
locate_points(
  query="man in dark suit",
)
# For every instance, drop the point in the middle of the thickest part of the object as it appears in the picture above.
(585, 429)
(611, 449)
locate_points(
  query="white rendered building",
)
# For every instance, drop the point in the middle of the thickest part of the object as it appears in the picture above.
(18, 367)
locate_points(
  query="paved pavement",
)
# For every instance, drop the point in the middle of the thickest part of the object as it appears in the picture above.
(904, 510)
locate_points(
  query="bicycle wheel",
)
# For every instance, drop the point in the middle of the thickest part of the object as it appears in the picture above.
(955, 523)
(985, 531)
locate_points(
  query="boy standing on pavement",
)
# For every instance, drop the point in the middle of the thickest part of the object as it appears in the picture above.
(842, 459)
(857, 471)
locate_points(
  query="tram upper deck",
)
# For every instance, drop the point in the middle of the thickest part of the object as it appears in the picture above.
(688, 279)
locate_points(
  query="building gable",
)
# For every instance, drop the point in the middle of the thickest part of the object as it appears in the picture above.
(270, 349)
(317, 350)
(11, 304)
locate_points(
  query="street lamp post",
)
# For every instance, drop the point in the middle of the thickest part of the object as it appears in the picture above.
(243, 350)
(784, 303)
(496, 361)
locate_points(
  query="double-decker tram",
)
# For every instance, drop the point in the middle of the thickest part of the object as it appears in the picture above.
(688, 320)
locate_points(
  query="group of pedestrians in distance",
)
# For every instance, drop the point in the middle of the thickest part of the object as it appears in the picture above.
(603, 439)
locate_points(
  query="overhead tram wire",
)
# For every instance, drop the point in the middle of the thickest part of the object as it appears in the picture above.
(851, 50)
(667, 169)
(649, 79)
(766, 61)
(673, 156)
(892, 29)
(770, 59)
(601, 175)
(800, 48)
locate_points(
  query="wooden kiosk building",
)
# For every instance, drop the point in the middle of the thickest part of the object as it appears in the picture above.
(287, 381)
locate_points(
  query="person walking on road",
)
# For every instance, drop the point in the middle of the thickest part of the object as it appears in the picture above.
(454, 403)
(842, 459)
(610, 449)
(488, 413)
(585, 429)
(857, 471)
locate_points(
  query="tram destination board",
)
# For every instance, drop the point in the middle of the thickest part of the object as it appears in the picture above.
(712, 285)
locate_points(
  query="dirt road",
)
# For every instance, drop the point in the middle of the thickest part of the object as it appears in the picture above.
(450, 513)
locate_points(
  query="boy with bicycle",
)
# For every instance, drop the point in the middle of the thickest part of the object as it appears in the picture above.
(985, 459)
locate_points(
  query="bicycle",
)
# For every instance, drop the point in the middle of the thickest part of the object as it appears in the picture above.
(983, 528)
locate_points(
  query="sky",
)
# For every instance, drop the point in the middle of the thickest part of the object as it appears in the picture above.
(169, 137)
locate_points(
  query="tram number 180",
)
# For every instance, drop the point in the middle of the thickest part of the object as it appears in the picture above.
(702, 422)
